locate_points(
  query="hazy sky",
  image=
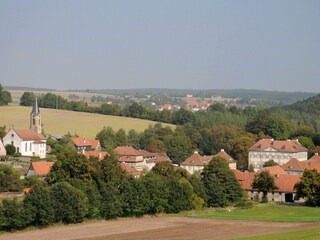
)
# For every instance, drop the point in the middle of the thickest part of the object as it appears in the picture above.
(272, 45)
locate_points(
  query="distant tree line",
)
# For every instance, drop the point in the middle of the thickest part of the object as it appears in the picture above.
(78, 188)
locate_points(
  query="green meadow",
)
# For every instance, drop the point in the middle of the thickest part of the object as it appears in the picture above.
(305, 234)
(62, 122)
(262, 212)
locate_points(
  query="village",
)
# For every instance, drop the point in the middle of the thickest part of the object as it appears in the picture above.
(290, 159)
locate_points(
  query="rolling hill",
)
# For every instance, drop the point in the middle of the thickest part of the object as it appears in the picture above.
(62, 122)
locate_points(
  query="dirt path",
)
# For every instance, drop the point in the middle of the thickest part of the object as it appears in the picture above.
(165, 227)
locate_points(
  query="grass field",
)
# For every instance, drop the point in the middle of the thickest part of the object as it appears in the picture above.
(62, 122)
(263, 212)
(305, 234)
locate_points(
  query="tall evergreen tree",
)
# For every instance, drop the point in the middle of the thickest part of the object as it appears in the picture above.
(221, 186)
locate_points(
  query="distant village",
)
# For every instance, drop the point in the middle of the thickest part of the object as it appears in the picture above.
(290, 156)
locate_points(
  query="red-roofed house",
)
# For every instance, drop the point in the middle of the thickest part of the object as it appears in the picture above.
(130, 156)
(27, 142)
(284, 182)
(86, 144)
(294, 167)
(40, 169)
(152, 158)
(196, 162)
(281, 151)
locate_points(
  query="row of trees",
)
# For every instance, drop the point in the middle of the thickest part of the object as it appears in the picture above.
(78, 188)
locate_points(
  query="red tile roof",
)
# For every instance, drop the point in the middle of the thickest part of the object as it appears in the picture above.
(311, 166)
(195, 160)
(30, 135)
(314, 159)
(273, 170)
(41, 168)
(127, 151)
(291, 146)
(130, 170)
(83, 142)
(293, 165)
(284, 182)
(225, 156)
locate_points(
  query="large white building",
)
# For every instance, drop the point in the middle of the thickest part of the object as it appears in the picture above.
(280, 151)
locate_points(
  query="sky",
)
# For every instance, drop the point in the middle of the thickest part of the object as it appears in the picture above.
(182, 44)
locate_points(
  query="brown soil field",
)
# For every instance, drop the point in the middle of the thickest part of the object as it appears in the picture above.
(164, 227)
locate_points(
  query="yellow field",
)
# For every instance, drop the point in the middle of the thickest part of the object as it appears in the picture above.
(62, 122)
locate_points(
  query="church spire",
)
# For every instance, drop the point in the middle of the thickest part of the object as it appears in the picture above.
(35, 108)
(35, 117)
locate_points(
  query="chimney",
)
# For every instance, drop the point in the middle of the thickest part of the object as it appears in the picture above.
(222, 150)
(316, 154)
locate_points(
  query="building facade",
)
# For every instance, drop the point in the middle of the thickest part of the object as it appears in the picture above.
(280, 151)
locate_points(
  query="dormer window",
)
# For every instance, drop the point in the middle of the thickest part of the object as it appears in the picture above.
(12, 135)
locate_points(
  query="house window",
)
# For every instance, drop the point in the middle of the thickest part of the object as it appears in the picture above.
(12, 143)
(30, 147)
(12, 135)
(26, 147)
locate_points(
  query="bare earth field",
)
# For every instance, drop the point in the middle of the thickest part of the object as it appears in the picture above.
(165, 227)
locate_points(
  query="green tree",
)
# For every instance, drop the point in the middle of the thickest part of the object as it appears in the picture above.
(9, 179)
(3, 132)
(182, 116)
(156, 186)
(38, 203)
(309, 187)
(5, 96)
(69, 203)
(198, 185)
(27, 99)
(178, 147)
(134, 139)
(111, 204)
(13, 215)
(10, 149)
(221, 186)
(270, 163)
(135, 200)
(264, 183)
(121, 138)
(107, 138)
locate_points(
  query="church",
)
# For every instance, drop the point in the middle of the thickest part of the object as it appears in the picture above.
(30, 142)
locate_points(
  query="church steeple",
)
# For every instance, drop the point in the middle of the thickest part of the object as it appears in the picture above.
(35, 117)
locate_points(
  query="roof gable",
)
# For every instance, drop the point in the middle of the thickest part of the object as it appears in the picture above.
(41, 168)
(279, 145)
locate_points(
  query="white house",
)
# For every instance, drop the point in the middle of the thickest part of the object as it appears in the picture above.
(27, 142)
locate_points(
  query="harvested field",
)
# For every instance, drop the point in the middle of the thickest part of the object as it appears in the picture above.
(165, 227)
